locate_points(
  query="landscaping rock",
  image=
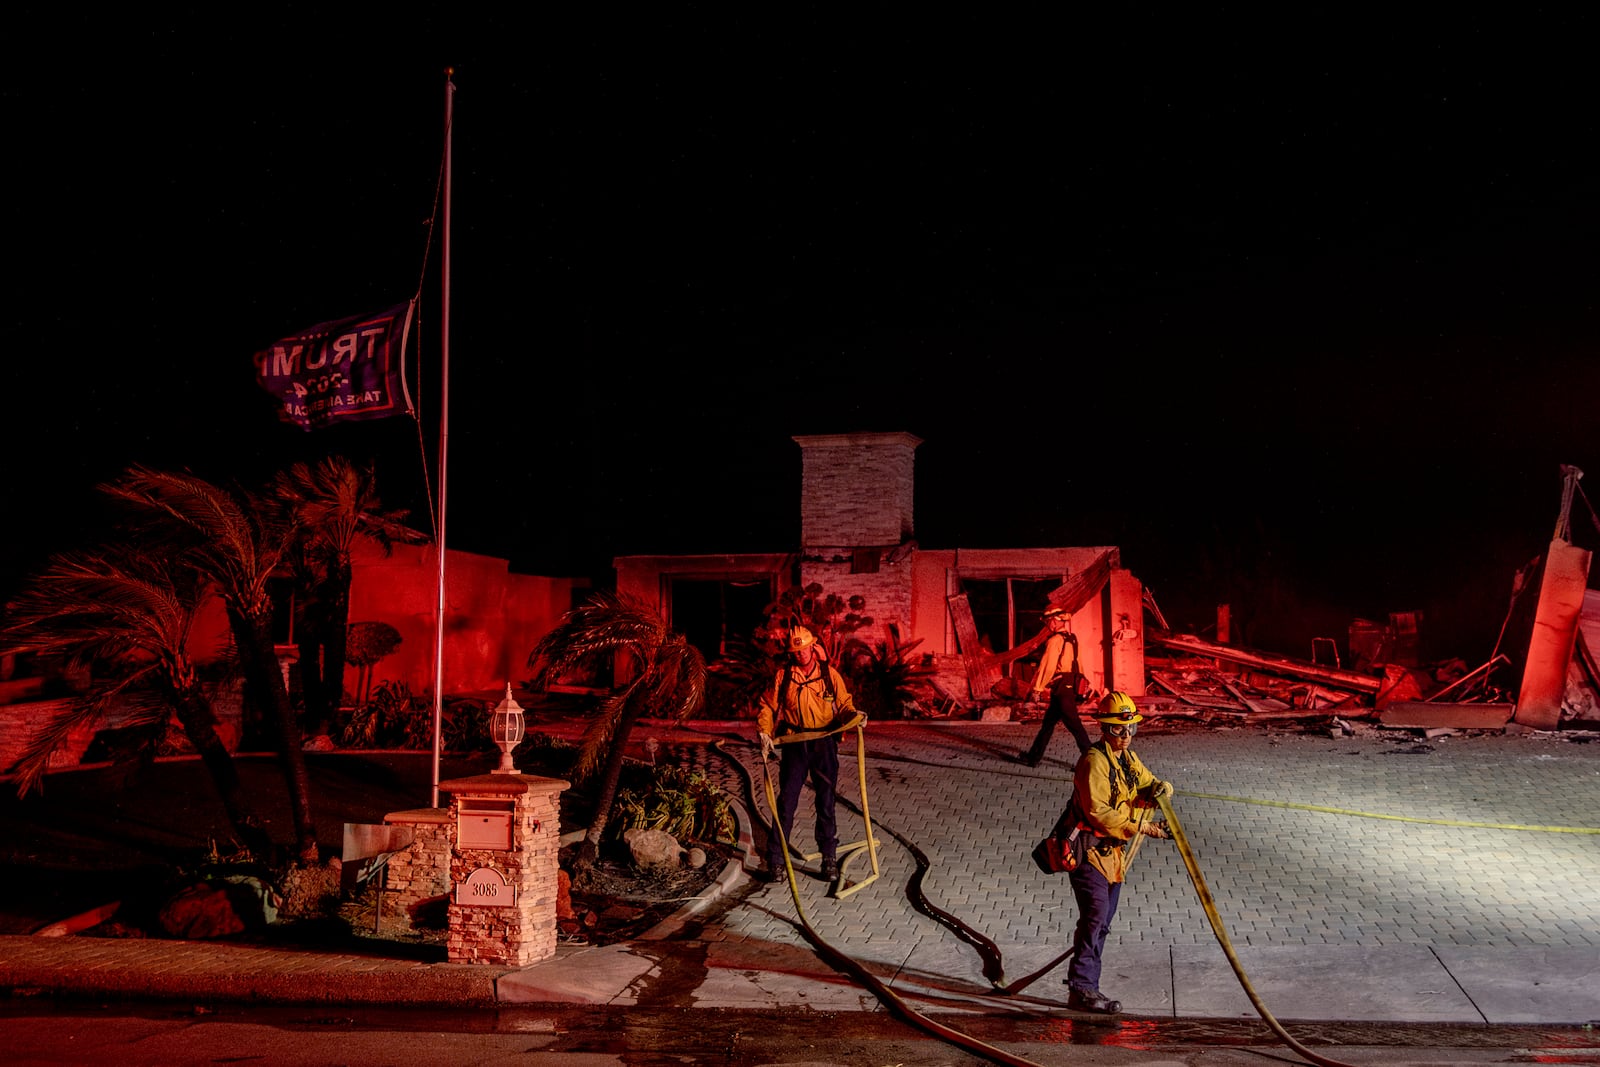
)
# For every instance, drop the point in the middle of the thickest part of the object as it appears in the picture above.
(653, 848)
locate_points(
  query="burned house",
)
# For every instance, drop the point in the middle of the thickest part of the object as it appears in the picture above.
(973, 617)
(970, 616)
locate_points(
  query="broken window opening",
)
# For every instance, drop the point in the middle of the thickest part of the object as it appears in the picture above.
(1009, 611)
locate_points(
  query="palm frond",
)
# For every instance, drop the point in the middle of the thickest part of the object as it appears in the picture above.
(589, 636)
(334, 502)
(102, 606)
(600, 734)
(188, 501)
(667, 679)
(74, 716)
(679, 678)
(232, 538)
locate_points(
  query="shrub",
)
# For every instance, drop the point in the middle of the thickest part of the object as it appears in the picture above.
(395, 717)
(735, 683)
(551, 757)
(882, 678)
(683, 802)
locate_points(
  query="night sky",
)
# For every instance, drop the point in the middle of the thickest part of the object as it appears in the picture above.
(1305, 304)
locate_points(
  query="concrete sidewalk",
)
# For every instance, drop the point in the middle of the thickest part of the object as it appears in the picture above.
(1400, 984)
(1374, 878)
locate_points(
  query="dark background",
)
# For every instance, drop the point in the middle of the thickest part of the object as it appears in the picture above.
(1298, 311)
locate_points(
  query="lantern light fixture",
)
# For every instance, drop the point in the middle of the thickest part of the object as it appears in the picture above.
(506, 729)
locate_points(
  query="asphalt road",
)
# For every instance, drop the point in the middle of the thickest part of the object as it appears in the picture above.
(161, 1035)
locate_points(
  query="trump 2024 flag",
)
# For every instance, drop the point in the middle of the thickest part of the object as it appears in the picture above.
(348, 369)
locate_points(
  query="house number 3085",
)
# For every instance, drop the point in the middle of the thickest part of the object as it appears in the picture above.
(486, 888)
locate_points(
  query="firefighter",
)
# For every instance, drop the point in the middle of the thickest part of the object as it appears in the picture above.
(1059, 676)
(1115, 792)
(806, 695)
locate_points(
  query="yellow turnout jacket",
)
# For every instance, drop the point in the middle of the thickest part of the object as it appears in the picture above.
(805, 704)
(1112, 793)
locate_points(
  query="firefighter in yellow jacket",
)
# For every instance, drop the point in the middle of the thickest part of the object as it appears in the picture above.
(807, 694)
(1116, 795)
(1056, 679)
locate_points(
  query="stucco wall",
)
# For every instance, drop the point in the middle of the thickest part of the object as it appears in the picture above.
(493, 617)
(645, 577)
(938, 571)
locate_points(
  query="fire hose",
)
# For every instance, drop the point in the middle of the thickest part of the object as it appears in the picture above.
(998, 1055)
(848, 852)
(1175, 828)
(838, 959)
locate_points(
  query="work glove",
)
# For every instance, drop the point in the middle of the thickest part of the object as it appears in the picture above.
(767, 747)
(1151, 793)
(1155, 829)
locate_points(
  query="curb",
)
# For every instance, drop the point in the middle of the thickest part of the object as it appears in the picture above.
(210, 972)
(732, 877)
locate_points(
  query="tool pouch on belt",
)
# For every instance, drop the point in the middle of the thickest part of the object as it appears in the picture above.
(1062, 851)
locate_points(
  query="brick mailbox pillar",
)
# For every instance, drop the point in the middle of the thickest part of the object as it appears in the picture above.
(505, 839)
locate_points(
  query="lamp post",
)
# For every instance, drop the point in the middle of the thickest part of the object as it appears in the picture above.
(505, 728)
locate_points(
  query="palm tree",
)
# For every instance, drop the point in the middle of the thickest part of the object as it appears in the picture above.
(332, 504)
(126, 615)
(235, 542)
(666, 678)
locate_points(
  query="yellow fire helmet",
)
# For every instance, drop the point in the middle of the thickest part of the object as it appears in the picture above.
(1118, 708)
(800, 637)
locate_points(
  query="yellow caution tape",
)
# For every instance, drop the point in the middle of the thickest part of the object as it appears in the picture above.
(1396, 818)
(1175, 830)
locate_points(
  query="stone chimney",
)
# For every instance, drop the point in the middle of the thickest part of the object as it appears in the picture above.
(856, 497)
(855, 489)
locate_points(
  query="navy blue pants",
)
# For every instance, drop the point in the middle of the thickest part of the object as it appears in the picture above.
(1063, 708)
(1097, 906)
(798, 761)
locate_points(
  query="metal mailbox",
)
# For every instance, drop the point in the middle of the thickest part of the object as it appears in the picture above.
(485, 824)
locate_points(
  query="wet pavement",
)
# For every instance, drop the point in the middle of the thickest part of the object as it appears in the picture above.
(1376, 883)
(1375, 877)
(160, 1035)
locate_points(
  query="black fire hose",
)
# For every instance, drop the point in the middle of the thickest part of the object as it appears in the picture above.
(990, 952)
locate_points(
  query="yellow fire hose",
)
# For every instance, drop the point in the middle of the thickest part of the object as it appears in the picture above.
(1398, 818)
(991, 952)
(888, 997)
(845, 853)
(1175, 828)
(833, 955)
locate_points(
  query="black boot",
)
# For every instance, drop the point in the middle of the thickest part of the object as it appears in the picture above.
(830, 870)
(1092, 1000)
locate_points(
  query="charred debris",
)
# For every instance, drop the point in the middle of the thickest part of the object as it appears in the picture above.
(1543, 676)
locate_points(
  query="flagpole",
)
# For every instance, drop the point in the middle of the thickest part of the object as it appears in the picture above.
(444, 434)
